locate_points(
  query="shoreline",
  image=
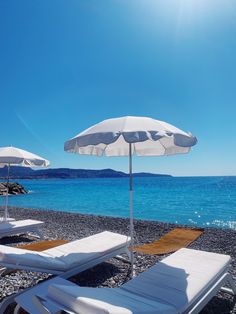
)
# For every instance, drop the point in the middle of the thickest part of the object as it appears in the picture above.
(71, 226)
(173, 224)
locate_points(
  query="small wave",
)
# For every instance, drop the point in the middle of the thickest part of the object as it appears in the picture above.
(225, 224)
(31, 191)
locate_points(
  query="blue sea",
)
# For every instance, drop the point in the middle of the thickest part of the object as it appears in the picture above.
(197, 201)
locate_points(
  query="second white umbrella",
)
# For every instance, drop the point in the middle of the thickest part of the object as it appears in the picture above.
(13, 156)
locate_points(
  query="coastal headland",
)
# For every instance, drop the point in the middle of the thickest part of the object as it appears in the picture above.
(70, 226)
(68, 173)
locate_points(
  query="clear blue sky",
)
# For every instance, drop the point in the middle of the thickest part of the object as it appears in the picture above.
(65, 65)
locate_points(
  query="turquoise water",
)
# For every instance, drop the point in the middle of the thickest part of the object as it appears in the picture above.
(200, 201)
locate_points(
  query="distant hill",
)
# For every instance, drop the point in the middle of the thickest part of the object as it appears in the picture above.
(67, 173)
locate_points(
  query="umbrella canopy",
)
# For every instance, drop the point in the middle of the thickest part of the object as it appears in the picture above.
(10, 156)
(15, 156)
(149, 137)
(127, 136)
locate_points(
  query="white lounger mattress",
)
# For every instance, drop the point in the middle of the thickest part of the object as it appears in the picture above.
(16, 257)
(88, 248)
(180, 278)
(105, 301)
(171, 285)
(19, 225)
(66, 256)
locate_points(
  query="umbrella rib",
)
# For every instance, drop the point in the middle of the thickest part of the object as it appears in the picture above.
(104, 151)
(162, 145)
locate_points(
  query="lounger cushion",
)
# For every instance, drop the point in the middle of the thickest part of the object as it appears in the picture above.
(87, 249)
(171, 286)
(19, 224)
(16, 256)
(105, 301)
(66, 256)
(180, 278)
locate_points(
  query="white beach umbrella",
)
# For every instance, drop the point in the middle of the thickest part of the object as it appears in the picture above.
(127, 136)
(12, 156)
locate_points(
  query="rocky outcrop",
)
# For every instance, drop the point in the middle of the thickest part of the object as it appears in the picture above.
(14, 188)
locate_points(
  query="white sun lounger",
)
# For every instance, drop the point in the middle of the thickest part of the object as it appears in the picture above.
(74, 256)
(14, 227)
(65, 260)
(184, 282)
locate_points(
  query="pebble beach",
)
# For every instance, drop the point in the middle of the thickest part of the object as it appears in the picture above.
(70, 226)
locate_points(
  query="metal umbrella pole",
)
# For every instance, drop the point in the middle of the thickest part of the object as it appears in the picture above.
(6, 205)
(131, 210)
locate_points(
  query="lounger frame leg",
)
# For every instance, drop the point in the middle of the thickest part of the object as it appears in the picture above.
(38, 302)
(127, 252)
(7, 301)
(5, 271)
(17, 309)
(36, 234)
(232, 284)
(225, 278)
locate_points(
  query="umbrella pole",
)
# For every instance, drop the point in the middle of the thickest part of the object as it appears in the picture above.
(131, 210)
(6, 206)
